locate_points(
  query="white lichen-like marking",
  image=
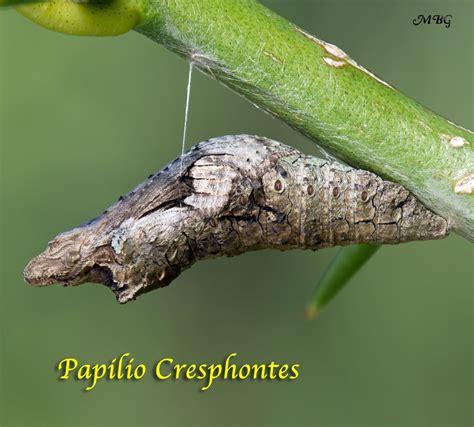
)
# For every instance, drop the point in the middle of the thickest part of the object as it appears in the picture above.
(465, 185)
(339, 53)
(334, 63)
(334, 50)
(457, 142)
(120, 234)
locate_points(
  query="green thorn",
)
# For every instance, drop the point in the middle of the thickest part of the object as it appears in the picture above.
(345, 264)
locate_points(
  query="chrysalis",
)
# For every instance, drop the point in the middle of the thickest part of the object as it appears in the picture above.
(233, 194)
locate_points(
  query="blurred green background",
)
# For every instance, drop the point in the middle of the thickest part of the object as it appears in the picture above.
(84, 120)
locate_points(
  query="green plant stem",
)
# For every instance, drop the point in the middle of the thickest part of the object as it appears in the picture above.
(348, 261)
(317, 89)
(312, 85)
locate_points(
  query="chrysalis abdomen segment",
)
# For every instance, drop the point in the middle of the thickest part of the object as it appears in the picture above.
(338, 205)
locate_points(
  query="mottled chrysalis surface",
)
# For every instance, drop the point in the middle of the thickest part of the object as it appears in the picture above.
(233, 194)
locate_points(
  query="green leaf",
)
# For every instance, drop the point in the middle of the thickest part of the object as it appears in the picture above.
(343, 267)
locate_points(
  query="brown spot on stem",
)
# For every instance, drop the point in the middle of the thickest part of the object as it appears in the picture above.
(465, 185)
(334, 63)
(457, 142)
(334, 50)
